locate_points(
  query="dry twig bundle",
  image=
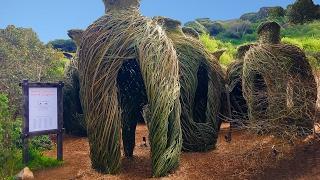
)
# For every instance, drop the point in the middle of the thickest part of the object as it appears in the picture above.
(108, 45)
(202, 86)
(279, 86)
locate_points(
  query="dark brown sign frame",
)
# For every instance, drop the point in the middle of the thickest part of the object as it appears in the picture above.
(25, 129)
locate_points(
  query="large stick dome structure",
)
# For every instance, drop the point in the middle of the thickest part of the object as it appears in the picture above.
(202, 86)
(279, 86)
(239, 108)
(126, 62)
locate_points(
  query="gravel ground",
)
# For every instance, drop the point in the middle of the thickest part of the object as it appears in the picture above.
(247, 156)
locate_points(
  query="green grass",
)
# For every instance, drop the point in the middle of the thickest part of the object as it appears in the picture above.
(39, 161)
(309, 30)
(306, 36)
(213, 45)
(13, 163)
(309, 44)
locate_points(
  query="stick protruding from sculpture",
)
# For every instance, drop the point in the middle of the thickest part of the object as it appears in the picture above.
(76, 35)
(269, 32)
(219, 53)
(169, 24)
(190, 32)
(242, 50)
(120, 4)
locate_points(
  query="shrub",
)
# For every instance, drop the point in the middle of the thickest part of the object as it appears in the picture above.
(303, 11)
(197, 26)
(213, 28)
(213, 45)
(310, 45)
(64, 45)
(24, 56)
(11, 144)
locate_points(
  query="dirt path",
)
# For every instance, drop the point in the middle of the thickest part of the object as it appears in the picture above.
(246, 157)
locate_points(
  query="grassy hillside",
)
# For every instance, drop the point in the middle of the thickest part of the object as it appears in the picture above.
(306, 36)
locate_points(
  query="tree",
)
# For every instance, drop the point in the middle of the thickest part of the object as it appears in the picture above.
(24, 56)
(238, 29)
(303, 11)
(64, 45)
(197, 26)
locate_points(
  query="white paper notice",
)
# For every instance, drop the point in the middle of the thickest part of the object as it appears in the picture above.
(43, 109)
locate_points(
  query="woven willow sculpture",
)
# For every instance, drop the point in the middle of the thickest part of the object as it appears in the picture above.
(202, 86)
(123, 39)
(239, 108)
(279, 86)
(73, 113)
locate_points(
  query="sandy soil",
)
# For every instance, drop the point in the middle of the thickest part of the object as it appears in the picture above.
(246, 157)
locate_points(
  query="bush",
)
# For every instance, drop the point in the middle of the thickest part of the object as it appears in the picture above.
(11, 145)
(197, 26)
(310, 45)
(24, 56)
(213, 28)
(213, 45)
(252, 17)
(64, 45)
(303, 11)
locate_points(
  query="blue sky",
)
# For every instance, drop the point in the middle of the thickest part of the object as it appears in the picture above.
(52, 18)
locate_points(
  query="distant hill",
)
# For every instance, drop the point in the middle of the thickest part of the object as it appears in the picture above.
(238, 31)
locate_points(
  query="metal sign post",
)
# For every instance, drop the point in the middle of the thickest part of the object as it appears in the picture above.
(42, 113)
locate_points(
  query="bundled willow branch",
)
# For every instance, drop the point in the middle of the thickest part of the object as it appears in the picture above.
(202, 86)
(239, 108)
(124, 37)
(279, 86)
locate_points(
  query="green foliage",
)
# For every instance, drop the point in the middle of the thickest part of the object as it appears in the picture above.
(197, 26)
(74, 121)
(277, 12)
(14, 163)
(39, 161)
(311, 30)
(213, 45)
(303, 11)
(4, 105)
(64, 45)
(11, 144)
(213, 28)
(240, 31)
(24, 56)
(310, 45)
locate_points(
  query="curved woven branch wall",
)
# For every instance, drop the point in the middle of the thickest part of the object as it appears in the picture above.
(239, 108)
(279, 86)
(202, 86)
(119, 37)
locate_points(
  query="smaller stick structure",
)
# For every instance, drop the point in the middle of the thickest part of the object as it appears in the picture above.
(202, 86)
(239, 108)
(279, 86)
